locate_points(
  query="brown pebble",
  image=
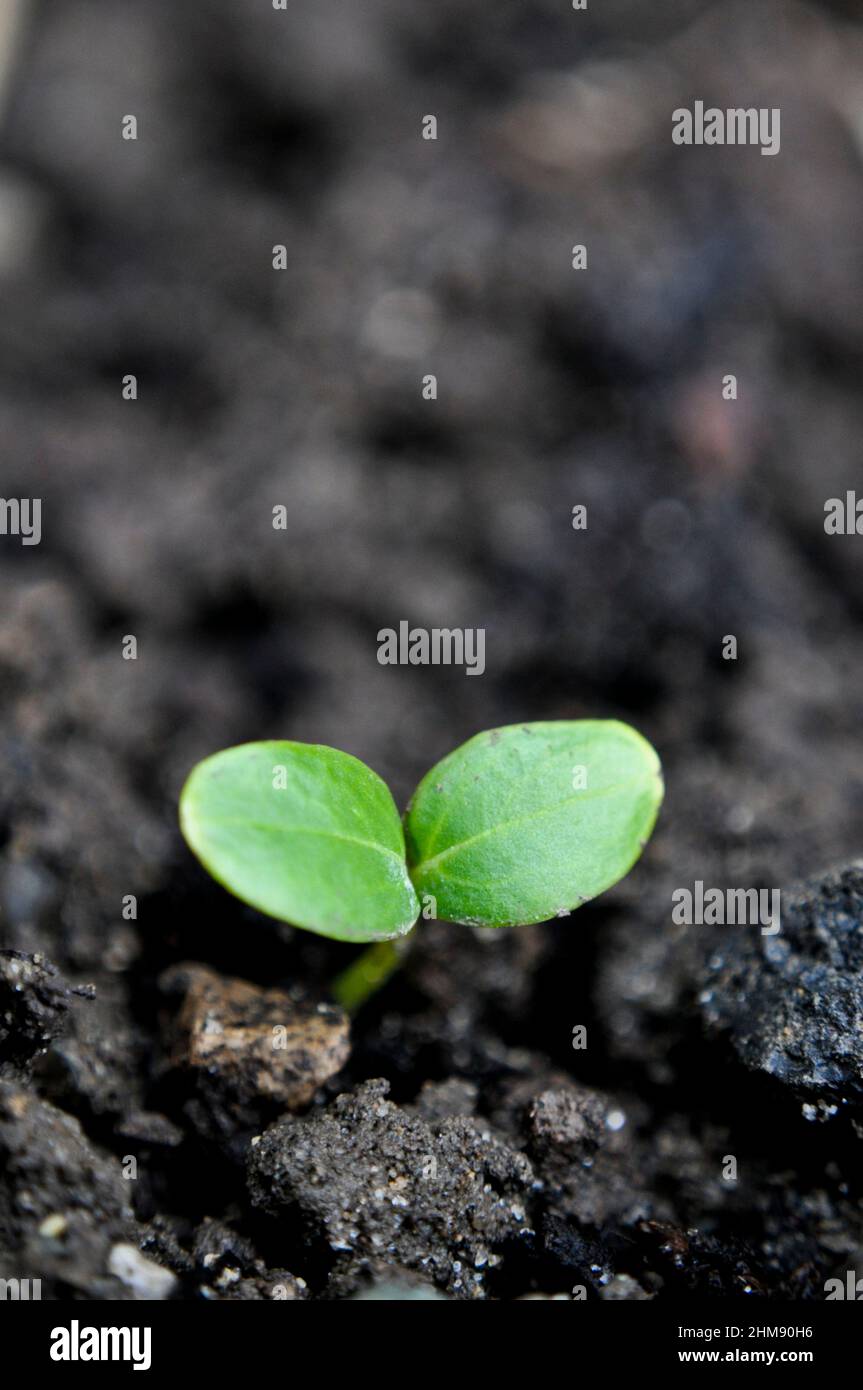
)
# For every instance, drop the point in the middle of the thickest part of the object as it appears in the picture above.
(261, 1044)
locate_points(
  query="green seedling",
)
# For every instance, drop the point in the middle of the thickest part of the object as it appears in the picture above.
(517, 825)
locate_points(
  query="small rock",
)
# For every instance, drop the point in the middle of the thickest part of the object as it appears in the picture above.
(97, 1065)
(251, 1050)
(792, 1003)
(34, 1007)
(145, 1279)
(455, 1096)
(149, 1127)
(275, 1285)
(623, 1288)
(54, 1226)
(217, 1245)
(377, 1180)
(222, 1265)
(568, 1120)
(44, 1158)
(393, 1292)
(226, 1266)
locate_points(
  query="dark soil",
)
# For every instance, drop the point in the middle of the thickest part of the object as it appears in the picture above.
(150, 1144)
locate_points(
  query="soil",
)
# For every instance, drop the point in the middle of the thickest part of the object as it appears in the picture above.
(458, 1143)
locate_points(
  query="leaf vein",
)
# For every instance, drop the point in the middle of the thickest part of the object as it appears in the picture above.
(423, 865)
(306, 830)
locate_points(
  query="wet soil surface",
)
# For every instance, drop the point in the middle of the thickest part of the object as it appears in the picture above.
(457, 1139)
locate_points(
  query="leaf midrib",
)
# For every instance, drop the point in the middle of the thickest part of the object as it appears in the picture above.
(307, 830)
(420, 869)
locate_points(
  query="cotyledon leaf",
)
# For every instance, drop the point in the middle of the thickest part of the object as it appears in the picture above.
(304, 833)
(530, 821)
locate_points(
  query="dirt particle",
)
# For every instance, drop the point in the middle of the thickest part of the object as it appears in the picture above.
(458, 1188)
(250, 1050)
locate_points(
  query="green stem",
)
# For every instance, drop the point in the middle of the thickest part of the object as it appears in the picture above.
(369, 973)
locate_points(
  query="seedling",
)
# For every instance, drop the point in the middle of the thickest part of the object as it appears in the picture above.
(517, 825)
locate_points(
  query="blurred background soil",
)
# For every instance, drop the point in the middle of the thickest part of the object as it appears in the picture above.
(600, 1167)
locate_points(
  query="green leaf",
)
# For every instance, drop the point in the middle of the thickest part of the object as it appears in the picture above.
(528, 822)
(304, 833)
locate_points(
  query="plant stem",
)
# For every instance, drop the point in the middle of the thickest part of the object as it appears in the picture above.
(368, 973)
